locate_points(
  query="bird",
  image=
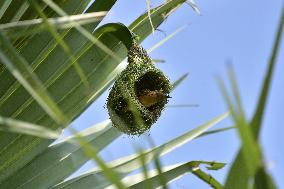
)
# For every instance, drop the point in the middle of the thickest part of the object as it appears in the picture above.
(149, 98)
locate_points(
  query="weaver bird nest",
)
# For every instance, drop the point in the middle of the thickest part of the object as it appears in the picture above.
(139, 94)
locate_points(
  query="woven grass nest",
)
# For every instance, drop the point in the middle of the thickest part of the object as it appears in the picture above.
(139, 94)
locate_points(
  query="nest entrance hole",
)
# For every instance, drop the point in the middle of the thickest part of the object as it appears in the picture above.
(150, 81)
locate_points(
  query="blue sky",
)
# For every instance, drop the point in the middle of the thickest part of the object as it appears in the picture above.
(238, 31)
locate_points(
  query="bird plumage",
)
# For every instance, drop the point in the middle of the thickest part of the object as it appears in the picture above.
(149, 98)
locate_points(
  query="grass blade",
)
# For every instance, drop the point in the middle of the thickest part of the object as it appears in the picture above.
(28, 27)
(56, 75)
(4, 6)
(127, 164)
(261, 104)
(234, 179)
(145, 168)
(217, 131)
(12, 125)
(251, 150)
(8, 8)
(149, 15)
(193, 6)
(50, 65)
(23, 73)
(160, 43)
(61, 42)
(169, 174)
(62, 159)
(264, 180)
(177, 82)
(83, 31)
(155, 60)
(92, 153)
(207, 178)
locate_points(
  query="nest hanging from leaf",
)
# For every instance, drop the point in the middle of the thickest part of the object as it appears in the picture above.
(139, 94)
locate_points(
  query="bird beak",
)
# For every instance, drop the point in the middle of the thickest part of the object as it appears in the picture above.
(168, 96)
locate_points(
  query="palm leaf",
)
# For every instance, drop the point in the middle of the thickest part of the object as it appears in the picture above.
(48, 62)
(126, 165)
(11, 125)
(235, 179)
(171, 173)
(62, 159)
(29, 27)
(57, 161)
(24, 108)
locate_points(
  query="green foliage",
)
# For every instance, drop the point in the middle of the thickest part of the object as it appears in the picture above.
(243, 171)
(126, 165)
(59, 61)
(51, 70)
(54, 70)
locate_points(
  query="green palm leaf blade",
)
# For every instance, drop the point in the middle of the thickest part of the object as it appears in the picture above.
(79, 91)
(25, 11)
(42, 45)
(18, 66)
(250, 150)
(263, 179)
(235, 180)
(17, 103)
(72, 103)
(7, 10)
(171, 173)
(12, 125)
(60, 160)
(125, 165)
(59, 167)
(30, 13)
(3, 7)
(8, 13)
(181, 79)
(28, 27)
